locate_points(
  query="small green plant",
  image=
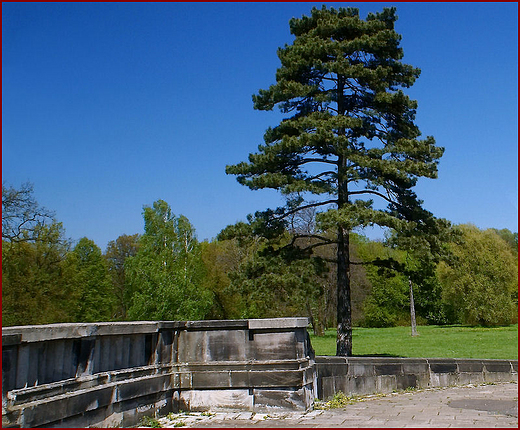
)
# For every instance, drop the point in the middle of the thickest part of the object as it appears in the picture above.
(207, 414)
(405, 390)
(149, 422)
(179, 424)
(339, 400)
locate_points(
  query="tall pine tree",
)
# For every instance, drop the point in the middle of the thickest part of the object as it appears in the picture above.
(349, 136)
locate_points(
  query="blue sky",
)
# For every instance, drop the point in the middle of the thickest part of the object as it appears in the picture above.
(110, 106)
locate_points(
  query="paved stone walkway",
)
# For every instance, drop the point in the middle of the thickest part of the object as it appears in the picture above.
(467, 406)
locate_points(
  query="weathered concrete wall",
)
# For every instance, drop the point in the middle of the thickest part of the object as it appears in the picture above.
(368, 375)
(111, 374)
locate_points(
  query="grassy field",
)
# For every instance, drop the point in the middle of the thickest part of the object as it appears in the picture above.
(432, 342)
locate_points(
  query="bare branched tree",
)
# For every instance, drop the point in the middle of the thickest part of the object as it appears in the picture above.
(22, 216)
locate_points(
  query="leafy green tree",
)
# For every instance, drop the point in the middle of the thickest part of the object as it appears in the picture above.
(273, 285)
(423, 246)
(349, 136)
(116, 254)
(221, 258)
(96, 300)
(386, 303)
(510, 237)
(271, 278)
(37, 285)
(482, 282)
(37, 279)
(167, 272)
(402, 272)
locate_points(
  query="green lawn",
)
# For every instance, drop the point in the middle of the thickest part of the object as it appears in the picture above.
(432, 342)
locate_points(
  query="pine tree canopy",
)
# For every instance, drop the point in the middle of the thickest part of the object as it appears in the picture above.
(350, 130)
(348, 137)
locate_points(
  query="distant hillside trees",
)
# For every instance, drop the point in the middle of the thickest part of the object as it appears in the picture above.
(166, 273)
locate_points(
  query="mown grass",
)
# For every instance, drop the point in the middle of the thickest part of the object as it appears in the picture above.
(432, 342)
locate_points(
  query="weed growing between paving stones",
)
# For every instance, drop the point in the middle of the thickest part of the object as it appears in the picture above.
(340, 400)
(150, 422)
(406, 390)
(173, 417)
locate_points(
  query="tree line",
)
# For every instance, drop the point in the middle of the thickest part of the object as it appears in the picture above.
(165, 273)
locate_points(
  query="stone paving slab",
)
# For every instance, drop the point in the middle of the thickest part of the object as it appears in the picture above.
(469, 406)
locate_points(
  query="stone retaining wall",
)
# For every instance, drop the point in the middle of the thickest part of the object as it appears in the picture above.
(112, 374)
(369, 375)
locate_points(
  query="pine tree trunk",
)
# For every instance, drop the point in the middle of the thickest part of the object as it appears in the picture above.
(412, 310)
(344, 311)
(344, 314)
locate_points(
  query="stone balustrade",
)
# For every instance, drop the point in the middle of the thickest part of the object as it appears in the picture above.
(112, 374)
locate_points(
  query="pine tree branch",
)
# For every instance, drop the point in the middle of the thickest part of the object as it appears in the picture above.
(316, 245)
(362, 263)
(312, 160)
(330, 172)
(331, 79)
(388, 199)
(326, 240)
(311, 205)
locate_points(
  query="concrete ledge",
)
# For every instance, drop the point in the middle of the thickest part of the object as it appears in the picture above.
(42, 333)
(216, 325)
(39, 333)
(277, 323)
